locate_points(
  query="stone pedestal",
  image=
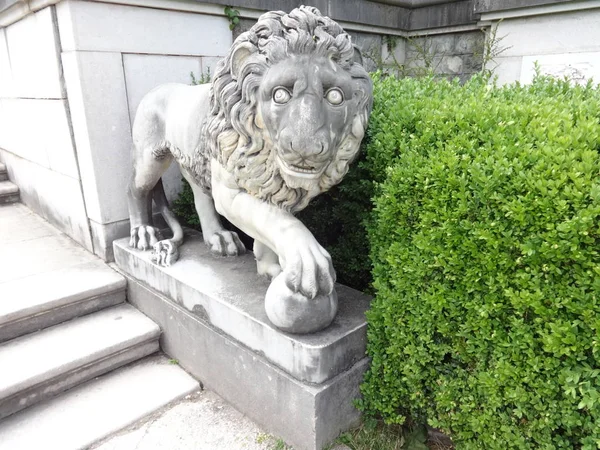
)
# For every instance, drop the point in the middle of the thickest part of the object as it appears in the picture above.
(211, 310)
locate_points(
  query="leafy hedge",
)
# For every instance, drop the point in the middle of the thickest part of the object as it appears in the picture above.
(485, 243)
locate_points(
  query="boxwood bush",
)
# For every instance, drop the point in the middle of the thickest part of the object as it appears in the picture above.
(485, 244)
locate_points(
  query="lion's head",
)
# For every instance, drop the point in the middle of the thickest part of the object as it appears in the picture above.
(289, 107)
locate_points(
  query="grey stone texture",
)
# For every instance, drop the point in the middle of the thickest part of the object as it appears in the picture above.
(449, 55)
(443, 15)
(201, 421)
(91, 412)
(9, 192)
(307, 416)
(40, 365)
(227, 294)
(402, 15)
(3, 172)
(485, 6)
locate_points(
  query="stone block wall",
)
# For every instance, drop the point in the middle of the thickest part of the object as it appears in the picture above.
(563, 39)
(71, 78)
(112, 56)
(450, 55)
(36, 138)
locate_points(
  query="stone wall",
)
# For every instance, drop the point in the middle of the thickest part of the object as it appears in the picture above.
(71, 78)
(449, 55)
(112, 56)
(35, 124)
(561, 44)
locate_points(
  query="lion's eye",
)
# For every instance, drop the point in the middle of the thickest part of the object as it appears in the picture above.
(281, 95)
(334, 96)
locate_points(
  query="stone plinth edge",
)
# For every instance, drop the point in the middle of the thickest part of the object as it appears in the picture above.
(227, 294)
(306, 416)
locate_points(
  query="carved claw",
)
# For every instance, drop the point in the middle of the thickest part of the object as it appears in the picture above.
(226, 243)
(309, 270)
(165, 253)
(143, 237)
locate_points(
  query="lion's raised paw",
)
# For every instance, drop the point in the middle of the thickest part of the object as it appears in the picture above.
(226, 243)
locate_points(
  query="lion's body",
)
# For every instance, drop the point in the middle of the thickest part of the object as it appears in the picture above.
(280, 123)
(166, 124)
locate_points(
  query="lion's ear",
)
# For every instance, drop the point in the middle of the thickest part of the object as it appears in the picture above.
(238, 59)
(357, 58)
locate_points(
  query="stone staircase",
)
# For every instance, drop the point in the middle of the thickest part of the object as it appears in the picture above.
(77, 363)
(9, 192)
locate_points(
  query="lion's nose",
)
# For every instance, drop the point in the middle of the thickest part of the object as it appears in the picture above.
(313, 148)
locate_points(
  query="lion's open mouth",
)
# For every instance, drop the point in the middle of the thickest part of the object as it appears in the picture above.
(302, 169)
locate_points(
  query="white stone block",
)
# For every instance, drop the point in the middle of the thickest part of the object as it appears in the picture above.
(56, 197)
(38, 130)
(552, 33)
(145, 72)
(580, 67)
(6, 80)
(98, 102)
(95, 26)
(34, 59)
(507, 69)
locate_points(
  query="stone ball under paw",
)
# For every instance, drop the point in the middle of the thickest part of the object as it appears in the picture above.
(294, 313)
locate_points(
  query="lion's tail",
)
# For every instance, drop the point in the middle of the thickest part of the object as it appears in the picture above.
(160, 199)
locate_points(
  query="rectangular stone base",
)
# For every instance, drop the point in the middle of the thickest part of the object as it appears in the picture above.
(307, 416)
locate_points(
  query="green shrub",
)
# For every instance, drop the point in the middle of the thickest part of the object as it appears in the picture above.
(485, 244)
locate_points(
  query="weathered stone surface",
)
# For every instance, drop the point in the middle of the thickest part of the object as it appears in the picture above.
(306, 416)
(468, 43)
(443, 15)
(203, 421)
(40, 301)
(65, 355)
(485, 6)
(90, 412)
(579, 67)
(50, 145)
(98, 103)
(551, 34)
(103, 27)
(34, 60)
(228, 295)
(34, 248)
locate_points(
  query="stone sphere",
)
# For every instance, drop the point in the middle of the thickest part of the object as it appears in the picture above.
(294, 313)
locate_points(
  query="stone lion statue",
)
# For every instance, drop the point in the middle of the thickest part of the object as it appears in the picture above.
(280, 123)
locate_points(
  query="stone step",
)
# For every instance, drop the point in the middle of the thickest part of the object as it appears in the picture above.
(9, 192)
(40, 301)
(97, 409)
(3, 172)
(40, 365)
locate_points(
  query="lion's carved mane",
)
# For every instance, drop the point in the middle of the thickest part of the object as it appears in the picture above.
(230, 134)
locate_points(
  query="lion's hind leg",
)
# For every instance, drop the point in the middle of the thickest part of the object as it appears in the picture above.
(148, 167)
(166, 252)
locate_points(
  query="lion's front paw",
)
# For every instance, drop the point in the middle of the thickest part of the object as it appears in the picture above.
(226, 243)
(143, 237)
(308, 268)
(165, 253)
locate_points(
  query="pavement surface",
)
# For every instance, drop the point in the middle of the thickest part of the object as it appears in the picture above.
(202, 421)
